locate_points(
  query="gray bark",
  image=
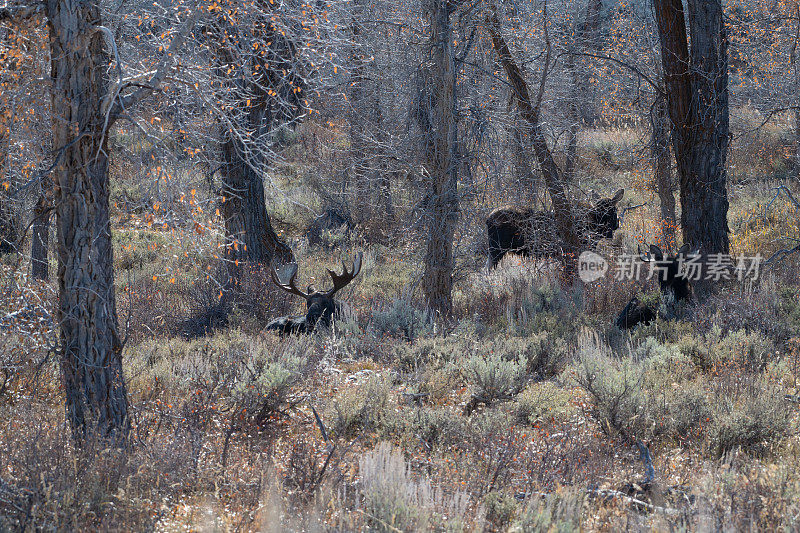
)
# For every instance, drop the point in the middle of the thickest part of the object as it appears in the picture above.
(438, 124)
(91, 350)
(696, 83)
(662, 168)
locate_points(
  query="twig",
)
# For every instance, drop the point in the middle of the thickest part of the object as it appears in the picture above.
(631, 208)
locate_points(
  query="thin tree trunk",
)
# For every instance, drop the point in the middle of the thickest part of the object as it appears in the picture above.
(525, 176)
(797, 139)
(382, 175)
(8, 225)
(359, 127)
(40, 230)
(91, 351)
(662, 169)
(581, 110)
(697, 87)
(529, 110)
(440, 130)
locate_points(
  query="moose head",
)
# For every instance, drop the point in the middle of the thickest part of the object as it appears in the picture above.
(320, 305)
(601, 218)
(673, 282)
(533, 233)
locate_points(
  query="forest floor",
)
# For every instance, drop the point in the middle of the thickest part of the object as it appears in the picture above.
(527, 411)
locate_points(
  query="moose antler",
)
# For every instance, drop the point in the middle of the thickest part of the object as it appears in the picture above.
(290, 287)
(341, 280)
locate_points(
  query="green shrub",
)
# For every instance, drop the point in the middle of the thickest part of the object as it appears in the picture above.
(402, 320)
(645, 398)
(394, 501)
(697, 351)
(558, 512)
(437, 426)
(500, 508)
(752, 351)
(492, 376)
(358, 408)
(751, 420)
(428, 350)
(540, 401)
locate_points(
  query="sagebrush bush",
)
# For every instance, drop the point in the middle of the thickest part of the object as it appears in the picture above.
(492, 376)
(645, 397)
(436, 350)
(359, 407)
(437, 426)
(500, 508)
(542, 401)
(401, 319)
(559, 512)
(752, 420)
(395, 501)
(751, 350)
(250, 376)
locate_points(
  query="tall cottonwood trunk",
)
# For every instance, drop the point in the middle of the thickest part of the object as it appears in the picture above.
(40, 233)
(438, 124)
(662, 168)
(91, 350)
(530, 111)
(249, 233)
(696, 83)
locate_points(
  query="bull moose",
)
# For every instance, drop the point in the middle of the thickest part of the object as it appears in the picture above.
(321, 308)
(672, 280)
(533, 233)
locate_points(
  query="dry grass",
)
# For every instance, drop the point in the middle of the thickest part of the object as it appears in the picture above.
(522, 413)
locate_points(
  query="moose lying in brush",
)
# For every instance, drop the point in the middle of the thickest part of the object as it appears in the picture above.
(533, 233)
(673, 282)
(321, 308)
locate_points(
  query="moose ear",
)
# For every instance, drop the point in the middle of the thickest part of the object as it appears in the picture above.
(618, 196)
(644, 256)
(656, 252)
(683, 250)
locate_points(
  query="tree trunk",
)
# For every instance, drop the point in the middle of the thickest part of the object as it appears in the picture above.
(662, 169)
(382, 174)
(40, 230)
(797, 140)
(359, 156)
(8, 225)
(581, 108)
(249, 234)
(9, 232)
(439, 127)
(697, 88)
(526, 179)
(562, 212)
(91, 351)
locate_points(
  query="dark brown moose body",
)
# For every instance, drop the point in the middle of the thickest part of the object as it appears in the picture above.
(533, 233)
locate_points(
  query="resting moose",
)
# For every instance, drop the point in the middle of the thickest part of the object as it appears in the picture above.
(533, 233)
(673, 282)
(320, 305)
